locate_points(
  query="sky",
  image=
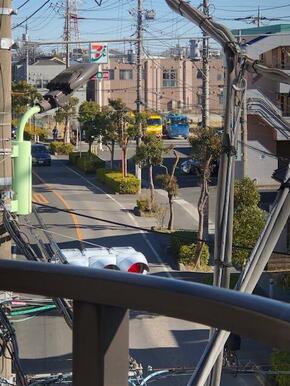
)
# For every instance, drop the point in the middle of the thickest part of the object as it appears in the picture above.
(116, 19)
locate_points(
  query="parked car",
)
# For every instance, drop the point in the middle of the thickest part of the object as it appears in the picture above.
(193, 166)
(40, 155)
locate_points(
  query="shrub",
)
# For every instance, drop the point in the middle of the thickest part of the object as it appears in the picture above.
(281, 362)
(30, 131)
(73, 156)
(143, 204)
(60, 147)
(120, 184)
(186, 255)
(179, 238)
(89, 163)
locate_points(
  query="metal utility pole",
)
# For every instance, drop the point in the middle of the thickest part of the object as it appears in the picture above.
(67, 32)
(244, 136)
(5, 140)
(139, 78)
(205, 73)
(205, 102)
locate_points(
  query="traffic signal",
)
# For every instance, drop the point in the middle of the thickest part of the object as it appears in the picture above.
(100, 258)
(129, 260)
(125, 259)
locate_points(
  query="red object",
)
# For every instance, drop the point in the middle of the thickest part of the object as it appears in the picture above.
(135, 268)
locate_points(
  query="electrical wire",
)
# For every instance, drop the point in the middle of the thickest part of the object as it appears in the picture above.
(22, 5)
(30, 16)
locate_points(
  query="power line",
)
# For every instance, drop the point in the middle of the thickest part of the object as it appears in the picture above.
(30, 16)
(22, 5)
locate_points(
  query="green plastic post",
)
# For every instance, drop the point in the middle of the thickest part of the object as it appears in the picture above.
(22, 168)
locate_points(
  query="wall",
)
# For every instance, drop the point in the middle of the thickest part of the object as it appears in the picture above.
(261, 166)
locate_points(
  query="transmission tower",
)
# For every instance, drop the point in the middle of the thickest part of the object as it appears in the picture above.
(71, 26)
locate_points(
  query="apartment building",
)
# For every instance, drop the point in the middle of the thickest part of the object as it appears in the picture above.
(168, 83)
(268, 103)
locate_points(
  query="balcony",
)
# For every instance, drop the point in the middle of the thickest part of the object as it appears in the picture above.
(101, 299)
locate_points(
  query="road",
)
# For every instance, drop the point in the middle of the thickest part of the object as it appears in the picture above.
(45, 341)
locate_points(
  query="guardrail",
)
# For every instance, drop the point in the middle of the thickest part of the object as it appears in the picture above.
(101, 299)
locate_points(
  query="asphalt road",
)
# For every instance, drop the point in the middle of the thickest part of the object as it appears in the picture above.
(45, 342)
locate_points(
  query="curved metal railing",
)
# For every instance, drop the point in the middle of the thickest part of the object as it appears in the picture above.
(102, 298)
(260, 105)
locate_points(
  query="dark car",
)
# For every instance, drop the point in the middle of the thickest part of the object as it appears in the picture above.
(40, 155)
(192, 166)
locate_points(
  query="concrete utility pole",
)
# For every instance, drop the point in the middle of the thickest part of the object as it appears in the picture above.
(205, 73)
(5, 140)
(67, 32)
(139, 78)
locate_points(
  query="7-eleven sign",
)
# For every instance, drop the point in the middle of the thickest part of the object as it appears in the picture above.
(99, 53)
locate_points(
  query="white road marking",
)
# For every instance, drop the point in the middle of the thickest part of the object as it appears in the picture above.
(156, 254)
(189, 208)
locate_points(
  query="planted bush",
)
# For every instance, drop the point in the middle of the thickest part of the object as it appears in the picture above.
(179, 238)
(89, 163)
(57, 147)
(281, 362)
(186, 255)
(120, 184)
(73, 157)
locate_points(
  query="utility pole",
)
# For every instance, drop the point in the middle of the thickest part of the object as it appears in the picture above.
(205, 73)
(259, 17)
(244, 136)
(139, 78)
(67, 32)
(205, 101)
(5, 140)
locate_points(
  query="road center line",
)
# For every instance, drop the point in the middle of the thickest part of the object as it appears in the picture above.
(66, 205)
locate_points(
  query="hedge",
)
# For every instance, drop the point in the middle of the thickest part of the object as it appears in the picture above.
(60, 148)
(85, 161)
(114, 179)
(281, 362)
(186, 255)
(89, 163)
(179, 238)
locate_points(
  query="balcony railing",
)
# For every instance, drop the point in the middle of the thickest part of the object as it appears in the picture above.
(101, 299)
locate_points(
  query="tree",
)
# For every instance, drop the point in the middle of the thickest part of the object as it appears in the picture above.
(88, 114)
(169, 183)
(64, 114)
(107, 130)
(206, 147)
(150, 153)
(24, 95)
(249, 220)
(123, 124)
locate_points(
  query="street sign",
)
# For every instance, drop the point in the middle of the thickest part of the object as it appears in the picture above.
(105, 75)
(99, 53)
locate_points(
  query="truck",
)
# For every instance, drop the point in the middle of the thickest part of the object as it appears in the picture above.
(177, 125)
(154, 125)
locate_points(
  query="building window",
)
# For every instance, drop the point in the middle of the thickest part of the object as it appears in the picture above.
(44, 83)
(199, 74)
(111, 74)
(126, 74)
(221, 96)
(169, 78)
(38, 83)
(219, 77)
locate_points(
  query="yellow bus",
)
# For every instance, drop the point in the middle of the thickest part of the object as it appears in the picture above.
(154, 125)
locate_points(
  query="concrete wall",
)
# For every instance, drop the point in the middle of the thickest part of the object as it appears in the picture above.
(260, 166)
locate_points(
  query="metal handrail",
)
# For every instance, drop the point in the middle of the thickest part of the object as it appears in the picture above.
(244, 314)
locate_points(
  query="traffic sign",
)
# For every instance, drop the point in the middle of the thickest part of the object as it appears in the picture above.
(99, 53)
